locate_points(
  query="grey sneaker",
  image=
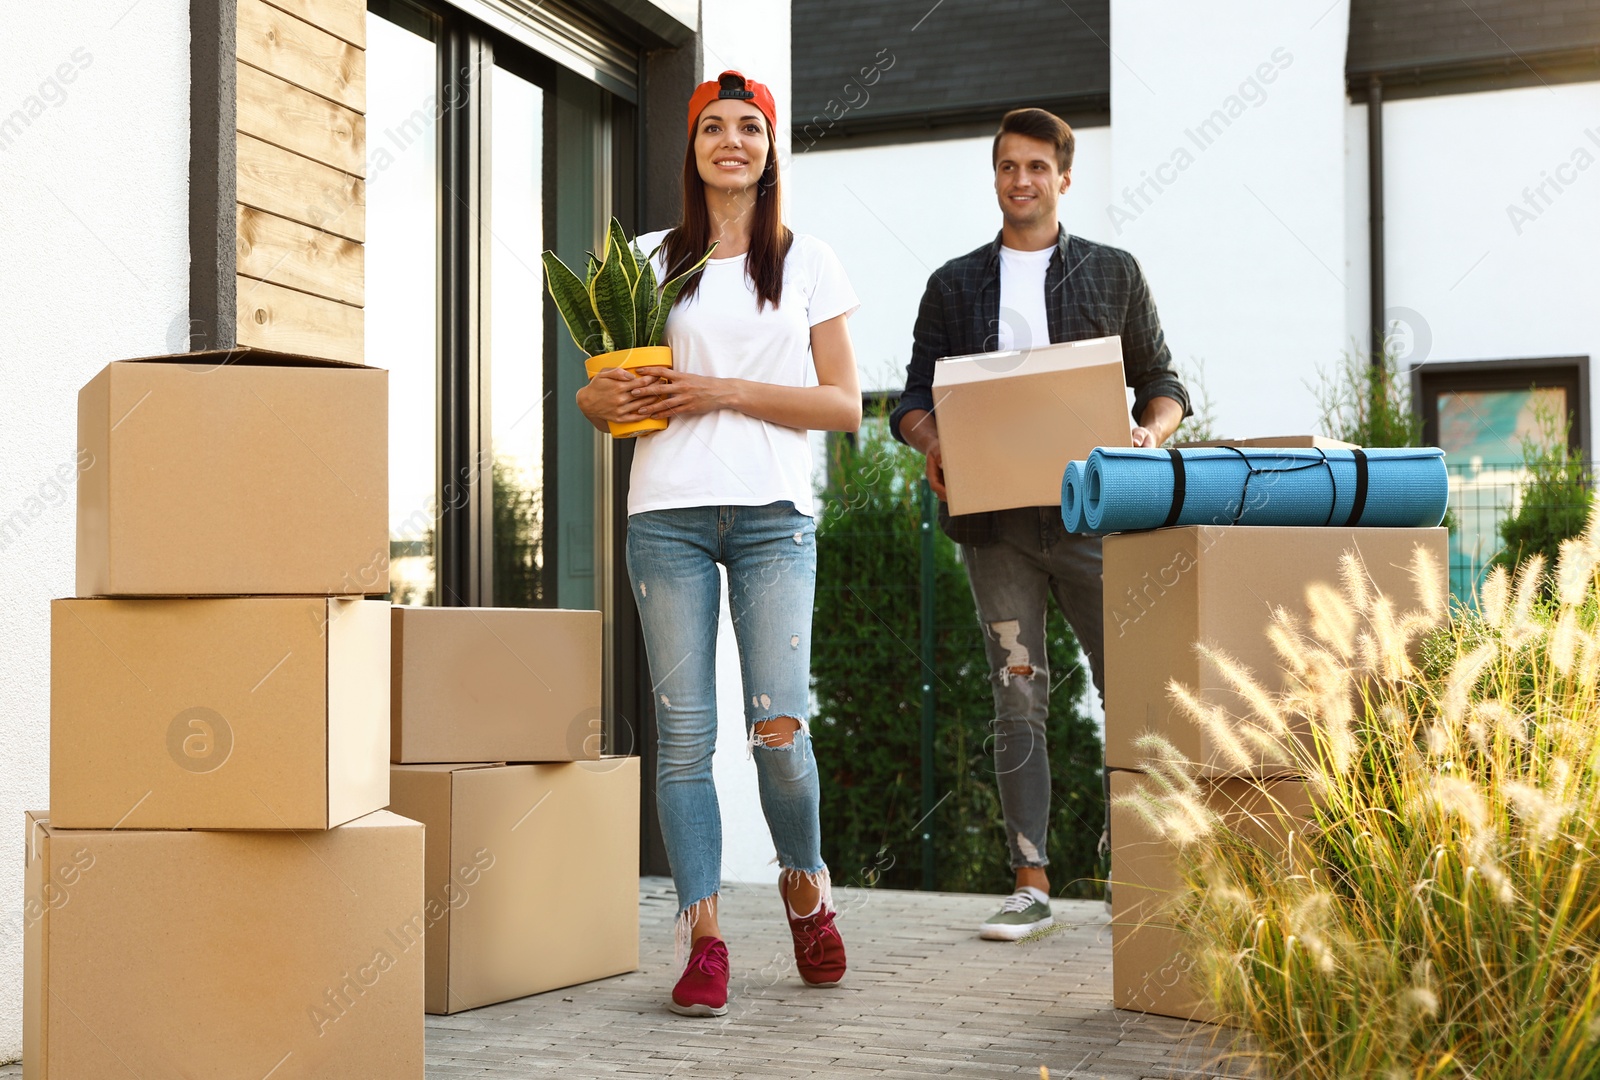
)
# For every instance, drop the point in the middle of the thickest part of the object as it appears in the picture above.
(1018, 917)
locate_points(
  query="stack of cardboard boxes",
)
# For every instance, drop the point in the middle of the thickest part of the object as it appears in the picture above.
(533, 835)
(216, 888)
(1165, 591)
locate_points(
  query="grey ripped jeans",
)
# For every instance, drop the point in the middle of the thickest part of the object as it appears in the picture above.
(1032, 558)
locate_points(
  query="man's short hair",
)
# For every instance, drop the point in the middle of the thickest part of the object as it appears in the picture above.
(1037, 124)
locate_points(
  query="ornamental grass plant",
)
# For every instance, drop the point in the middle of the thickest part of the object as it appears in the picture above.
(1439, 915)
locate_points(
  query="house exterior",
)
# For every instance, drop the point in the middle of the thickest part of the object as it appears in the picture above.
(1290, 176)
(356, 181)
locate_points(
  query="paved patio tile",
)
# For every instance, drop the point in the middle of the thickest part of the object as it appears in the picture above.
(924, 997)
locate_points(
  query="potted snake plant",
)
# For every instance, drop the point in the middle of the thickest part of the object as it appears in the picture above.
(618, 315)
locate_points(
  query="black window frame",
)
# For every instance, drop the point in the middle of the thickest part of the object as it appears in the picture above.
(1570, 373)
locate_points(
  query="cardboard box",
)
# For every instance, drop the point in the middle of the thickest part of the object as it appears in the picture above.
(244, 713)
(1152, 969)
(222, 954)
(495, 684)
(1265, 441)
(1010, 421)
(533, 876)
(1167, 589)
(242, 473)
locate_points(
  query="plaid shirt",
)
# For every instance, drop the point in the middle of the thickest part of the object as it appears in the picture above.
(1091, 291)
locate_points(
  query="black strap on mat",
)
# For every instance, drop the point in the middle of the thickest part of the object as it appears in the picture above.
(1359, 504)
(1179, 483)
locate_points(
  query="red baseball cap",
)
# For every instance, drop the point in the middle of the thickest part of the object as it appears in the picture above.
(732, 84)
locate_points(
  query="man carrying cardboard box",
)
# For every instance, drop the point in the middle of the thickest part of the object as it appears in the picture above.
(1032, 285)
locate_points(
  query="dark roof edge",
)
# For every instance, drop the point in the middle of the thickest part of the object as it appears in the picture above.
(1466, 74)
(1079, 110)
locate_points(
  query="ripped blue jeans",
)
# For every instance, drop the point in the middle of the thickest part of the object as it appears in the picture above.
(770, 553)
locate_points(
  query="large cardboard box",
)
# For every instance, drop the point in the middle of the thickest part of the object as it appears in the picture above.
(1265, 441)
(222, 954)
(239, 473)
(243, 713)
(1152, 968)
(495, 684)
(1167, 589)
(533, 876)
(1010, 421)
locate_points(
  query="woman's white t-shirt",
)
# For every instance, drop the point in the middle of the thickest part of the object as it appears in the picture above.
(726, 458)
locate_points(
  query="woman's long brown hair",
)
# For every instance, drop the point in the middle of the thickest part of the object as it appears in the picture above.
(770, 238)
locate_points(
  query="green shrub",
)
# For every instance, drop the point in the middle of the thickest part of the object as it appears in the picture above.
(1439, 916)
(1201, 424)
(1553, 502)
(1369, 404)
(868, 680)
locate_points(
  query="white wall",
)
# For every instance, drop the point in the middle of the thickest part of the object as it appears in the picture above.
(753, 39)
(1480, 263)
(1240, 226)
(894, 214)
(94, 267)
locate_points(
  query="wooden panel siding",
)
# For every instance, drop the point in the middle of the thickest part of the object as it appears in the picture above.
(287, 116)
(345, 19)
(298, 52)
(295, 187)
(295, 256)
(277, 192)
(272, 317)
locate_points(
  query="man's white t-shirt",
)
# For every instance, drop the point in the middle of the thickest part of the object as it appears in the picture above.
(1023, 324)
(726, 458)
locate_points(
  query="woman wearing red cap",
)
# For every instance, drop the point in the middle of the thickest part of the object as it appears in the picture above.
(761, 356)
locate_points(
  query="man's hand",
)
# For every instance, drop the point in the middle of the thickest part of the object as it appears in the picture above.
(936, 470)
(921, 432)
(1161, 418)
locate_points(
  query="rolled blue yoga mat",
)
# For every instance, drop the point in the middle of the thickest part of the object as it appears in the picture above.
(1125, 490)
(1072, 497)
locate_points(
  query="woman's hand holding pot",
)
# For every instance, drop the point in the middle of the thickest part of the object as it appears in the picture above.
(680, 393)
(612, 396)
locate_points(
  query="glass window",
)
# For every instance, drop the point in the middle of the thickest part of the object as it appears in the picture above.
(516, 339)
(403, 279)
(1482, 414)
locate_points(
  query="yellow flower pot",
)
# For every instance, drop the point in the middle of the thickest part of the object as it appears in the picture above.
(648, 356)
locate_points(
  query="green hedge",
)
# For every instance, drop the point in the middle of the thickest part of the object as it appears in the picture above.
(867, 729)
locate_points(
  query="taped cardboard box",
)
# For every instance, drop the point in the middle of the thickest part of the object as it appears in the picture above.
(1152, 966)
(495, 684)
(1266, 441)
(237, 473)
(533, 875)
(240, 713)
(1010, 421)
(1167, 589)
(222, 954)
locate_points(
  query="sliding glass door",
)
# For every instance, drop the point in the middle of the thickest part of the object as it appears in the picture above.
(483, 154)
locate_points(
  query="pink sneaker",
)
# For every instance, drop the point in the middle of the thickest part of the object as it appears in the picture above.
(702, 990)
(818, 948)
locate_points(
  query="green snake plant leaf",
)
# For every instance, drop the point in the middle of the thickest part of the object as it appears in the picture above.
(669, 294)
(617, 245)
(611, 296)
(572, 301)
(644, 300)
